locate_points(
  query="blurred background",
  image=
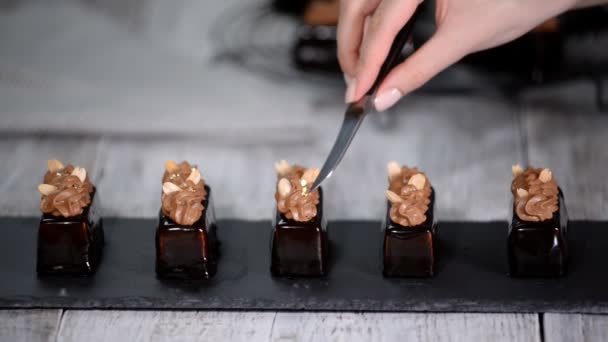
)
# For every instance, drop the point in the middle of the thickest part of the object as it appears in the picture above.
(119, 86)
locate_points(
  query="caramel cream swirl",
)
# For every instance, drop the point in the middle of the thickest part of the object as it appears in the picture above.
(66, 190)
(410, 195)
(183, 193)
(292, 196)
(536, 194)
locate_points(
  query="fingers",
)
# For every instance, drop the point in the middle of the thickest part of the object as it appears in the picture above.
(350, 31)
(386, 21)
(441, 51)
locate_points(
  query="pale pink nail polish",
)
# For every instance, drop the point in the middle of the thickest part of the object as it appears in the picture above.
(346, 79)
(387, 99)
(350, 91)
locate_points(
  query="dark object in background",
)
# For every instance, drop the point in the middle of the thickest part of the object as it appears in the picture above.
(72, 245)
(539, 249)
(299, 249)
(188, 252)
(316, 48)
(293, 7)
(410, 251)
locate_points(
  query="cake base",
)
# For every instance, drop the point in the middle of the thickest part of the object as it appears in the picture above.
(410, 251)
(72, 245)
(299, 249)
(188, 252)
(539, 249)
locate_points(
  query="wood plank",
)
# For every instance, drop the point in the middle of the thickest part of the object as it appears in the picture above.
(575, 328)
(404, 327)
(26, 164)
(295, 326)
(570, 138)
(29, 325)
(165, 326)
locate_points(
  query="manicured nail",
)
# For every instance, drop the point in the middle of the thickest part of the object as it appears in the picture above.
(350, 90)
(387, 99)
(347, 79)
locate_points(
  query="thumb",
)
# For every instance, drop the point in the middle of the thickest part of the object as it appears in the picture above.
(438, 53)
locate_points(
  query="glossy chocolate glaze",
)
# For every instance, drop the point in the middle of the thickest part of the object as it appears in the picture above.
(410, 251)
(299, 249)
(539, 249)
(188, 252)
(72, 245)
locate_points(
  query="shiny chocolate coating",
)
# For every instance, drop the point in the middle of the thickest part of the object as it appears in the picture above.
(72, 245)
(410, 251)
(299, 249)
(188, 251)
(539, 249)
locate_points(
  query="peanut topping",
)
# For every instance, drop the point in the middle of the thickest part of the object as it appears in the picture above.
(282, 168)
(284, 187)
(536, 195)
(409, 193)
(171, 166)
(545, 175)
(47, 189)
(517, 170)
(55, 165)
(393, 197)
(66, 190)
(522, 193)
(394, 170)
(169, 187)
(183, 193)
(292, 195)
(418, 180)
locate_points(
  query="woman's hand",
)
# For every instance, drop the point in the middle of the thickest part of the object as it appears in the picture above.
(367, 28)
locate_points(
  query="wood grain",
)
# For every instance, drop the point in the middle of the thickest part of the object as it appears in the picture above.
(571, 140)
(294, 326)
(165, 326)
(29, 325)
(575, 328)
(404, 327)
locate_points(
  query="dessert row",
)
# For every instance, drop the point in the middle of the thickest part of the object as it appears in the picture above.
(71, 237)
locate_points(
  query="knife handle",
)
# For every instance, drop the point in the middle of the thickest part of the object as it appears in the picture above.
(393, 54)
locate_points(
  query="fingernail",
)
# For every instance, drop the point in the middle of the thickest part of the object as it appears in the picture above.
(350, 90)
(347, 79)
(387, 99)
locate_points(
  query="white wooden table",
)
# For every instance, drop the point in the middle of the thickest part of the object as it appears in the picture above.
(121, 93)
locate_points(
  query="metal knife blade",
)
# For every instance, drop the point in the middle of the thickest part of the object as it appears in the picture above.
(353, 117)
(356, 111)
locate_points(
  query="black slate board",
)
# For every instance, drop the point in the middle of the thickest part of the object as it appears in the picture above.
(471, 276)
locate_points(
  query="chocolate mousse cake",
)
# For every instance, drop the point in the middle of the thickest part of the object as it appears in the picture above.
(186, 237)
(299, 238)
(409, 247)
(70, 235)
(537, 244)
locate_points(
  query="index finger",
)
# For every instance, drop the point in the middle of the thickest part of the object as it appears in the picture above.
(350, 31)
